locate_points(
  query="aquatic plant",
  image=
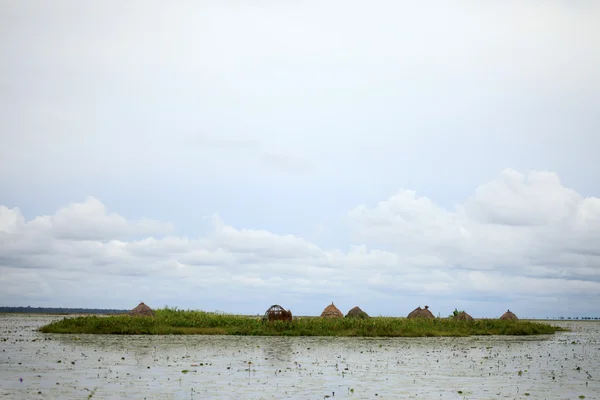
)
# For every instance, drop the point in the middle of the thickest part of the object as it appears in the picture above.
(171, 321)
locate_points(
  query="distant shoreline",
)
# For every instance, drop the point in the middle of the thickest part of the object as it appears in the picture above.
(59, 311)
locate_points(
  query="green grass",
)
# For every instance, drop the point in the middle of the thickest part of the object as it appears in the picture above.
(180, 322)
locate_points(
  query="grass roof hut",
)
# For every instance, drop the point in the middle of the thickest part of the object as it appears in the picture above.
(421, 313)
(509, 316)
(356, 312)
(142, 310)
(463, 316)
(331, 311)
(277, 313)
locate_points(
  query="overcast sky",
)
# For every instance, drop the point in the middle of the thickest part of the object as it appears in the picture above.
(231, 155)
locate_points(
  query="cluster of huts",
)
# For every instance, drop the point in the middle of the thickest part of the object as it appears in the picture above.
(425, 313)
(278, 313)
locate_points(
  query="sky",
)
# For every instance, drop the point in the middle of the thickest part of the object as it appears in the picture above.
(231, 155)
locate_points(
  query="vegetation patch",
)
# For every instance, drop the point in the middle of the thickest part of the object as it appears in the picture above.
(169, 321)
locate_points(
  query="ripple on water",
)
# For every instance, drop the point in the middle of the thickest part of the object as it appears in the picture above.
(564, 365)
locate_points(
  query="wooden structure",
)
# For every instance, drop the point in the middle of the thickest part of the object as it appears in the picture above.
(277, 313)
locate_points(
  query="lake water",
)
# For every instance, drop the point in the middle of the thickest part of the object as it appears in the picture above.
(50, 366)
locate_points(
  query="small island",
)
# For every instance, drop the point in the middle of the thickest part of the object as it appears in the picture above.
(169, 321)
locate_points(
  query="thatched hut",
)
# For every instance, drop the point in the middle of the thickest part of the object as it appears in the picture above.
(331, 311)
(421, 313)
(509, 316)
(356, 312)
(277, 313)
(463, 316)
(142, 310)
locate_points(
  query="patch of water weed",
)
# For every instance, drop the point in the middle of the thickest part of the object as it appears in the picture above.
(397, 369)
(177, 322)
(92, 393)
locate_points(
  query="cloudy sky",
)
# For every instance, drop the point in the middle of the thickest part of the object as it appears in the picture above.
(230, 155)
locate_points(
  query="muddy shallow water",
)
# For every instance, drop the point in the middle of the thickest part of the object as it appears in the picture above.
(35, 365)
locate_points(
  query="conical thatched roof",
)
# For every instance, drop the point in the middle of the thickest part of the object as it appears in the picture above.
(331, 311)
(421, 313)
(356, 312)
(508, 315)
(463, 316)
(142, 310)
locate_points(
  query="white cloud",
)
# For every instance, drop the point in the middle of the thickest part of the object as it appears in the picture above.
(511, 223)
(517, 240)
(91, 221)
(513, 199)
(10, 219)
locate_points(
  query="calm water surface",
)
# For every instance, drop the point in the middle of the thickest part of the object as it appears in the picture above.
(49, 366)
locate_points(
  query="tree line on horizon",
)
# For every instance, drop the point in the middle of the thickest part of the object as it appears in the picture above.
(59, 310)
